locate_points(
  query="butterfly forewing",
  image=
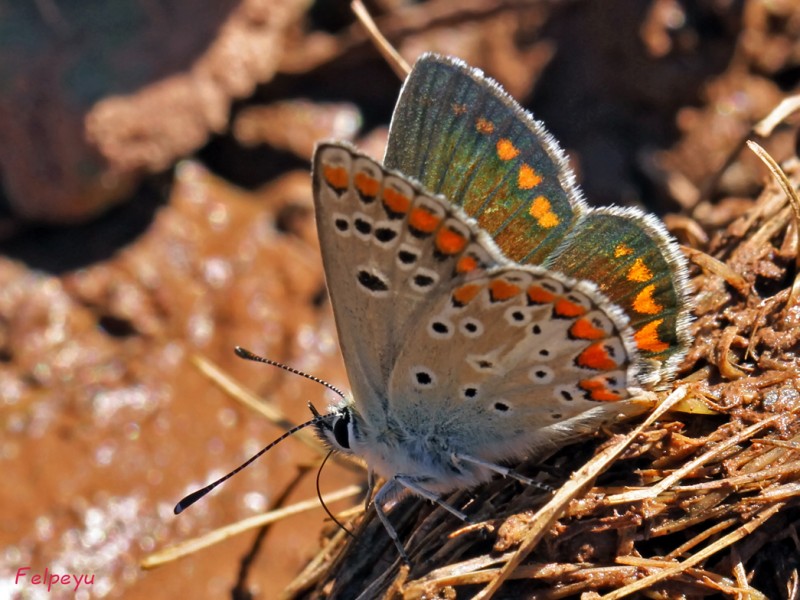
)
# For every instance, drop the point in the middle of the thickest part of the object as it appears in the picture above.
(462, 136)
(389, 249)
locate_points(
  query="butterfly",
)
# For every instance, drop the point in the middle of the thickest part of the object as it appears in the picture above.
(485, 312)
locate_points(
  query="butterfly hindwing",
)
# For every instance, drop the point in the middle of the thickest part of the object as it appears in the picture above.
(632, 260)
(529, 354)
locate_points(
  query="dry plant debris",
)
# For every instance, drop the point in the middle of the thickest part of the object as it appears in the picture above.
(105, 419)
(697, 505)
(694, 507)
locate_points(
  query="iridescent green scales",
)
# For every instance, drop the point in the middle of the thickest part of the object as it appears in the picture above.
(625, 254)
(460, 135)
(473, 144)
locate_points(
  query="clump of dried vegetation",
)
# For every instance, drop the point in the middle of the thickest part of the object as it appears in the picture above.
(699, 498)
(699, 501)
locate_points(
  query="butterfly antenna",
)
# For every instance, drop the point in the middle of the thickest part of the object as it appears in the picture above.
(246, 354)
(195, 496)
(322, 501)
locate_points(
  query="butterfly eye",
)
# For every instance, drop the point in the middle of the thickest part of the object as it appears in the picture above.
(341, 431)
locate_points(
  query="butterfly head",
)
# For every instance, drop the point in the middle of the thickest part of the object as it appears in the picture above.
(339, 428)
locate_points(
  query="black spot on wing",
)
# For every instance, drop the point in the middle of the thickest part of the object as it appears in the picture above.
(372, 282)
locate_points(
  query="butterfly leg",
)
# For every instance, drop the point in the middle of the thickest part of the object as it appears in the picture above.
(391, 489)
(412, 483)
(370, 489)
(384, 494)
(502, 470)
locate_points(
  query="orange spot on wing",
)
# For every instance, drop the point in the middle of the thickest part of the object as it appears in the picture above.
(639, 272)
(539, 295)
(466, 264)
(337, 177)
(583, 329)
(622, 250)
(449, 241)
(395, 201)
(506, 150)
(647, 339)
(366, 184)
(539, 207)
(645, 304)
(565, 308)
(459, 109)
(549, 220)
(541, 211)
(596, 357)
(465, 293)
(528, 178)
(423, 220)
(484, 126)
(503, 290)
(598, 391)
(605, 395)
